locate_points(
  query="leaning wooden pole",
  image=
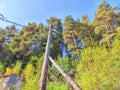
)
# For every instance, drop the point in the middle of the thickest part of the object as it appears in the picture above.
(67, 77)
(44, 72)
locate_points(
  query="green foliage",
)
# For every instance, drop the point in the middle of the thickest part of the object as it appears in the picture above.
(1, 68)
(31, 73)
(105, 25)
(99, 69)
(31, 79)
(37, 63)
(98, 62)
(56, 86)
(17, 68)
(67, 64)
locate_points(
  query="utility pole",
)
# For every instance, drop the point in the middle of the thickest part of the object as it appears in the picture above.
(44, 72)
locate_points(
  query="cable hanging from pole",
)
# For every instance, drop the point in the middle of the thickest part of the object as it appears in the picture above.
(6, 20)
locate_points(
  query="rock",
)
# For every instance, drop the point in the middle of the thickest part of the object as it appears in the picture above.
(10, 82)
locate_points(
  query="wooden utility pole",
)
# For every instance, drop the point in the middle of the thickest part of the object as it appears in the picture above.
(44, 72)
(67, 77)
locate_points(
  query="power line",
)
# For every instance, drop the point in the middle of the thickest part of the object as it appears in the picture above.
(6, 20)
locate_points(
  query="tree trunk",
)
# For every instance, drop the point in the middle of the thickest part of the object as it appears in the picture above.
(111, 27)
(90, 36)
(68, 78)
(44, 72)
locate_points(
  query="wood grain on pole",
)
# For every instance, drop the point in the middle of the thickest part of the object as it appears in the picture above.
(67, 77)
(44, 72)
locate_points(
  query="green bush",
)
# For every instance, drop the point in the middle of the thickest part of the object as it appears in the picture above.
(56, 86)
(17, 68)
(1, 68)
(31, 79)
(31, 74)
(99, 69)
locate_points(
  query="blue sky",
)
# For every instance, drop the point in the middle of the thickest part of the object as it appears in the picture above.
(25, 11)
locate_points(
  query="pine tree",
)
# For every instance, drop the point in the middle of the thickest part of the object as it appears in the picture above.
(106, 20)
(56, 36)
(71, 35)
(87, 29)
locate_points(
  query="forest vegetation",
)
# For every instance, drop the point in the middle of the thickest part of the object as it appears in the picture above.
(88, 51)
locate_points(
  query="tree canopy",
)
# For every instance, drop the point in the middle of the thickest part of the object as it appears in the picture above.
(90, 50)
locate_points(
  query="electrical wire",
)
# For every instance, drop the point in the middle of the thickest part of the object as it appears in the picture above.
(6, 20)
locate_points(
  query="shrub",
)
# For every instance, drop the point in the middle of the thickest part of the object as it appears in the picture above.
(17, 68)
(1, 68)
(99, 69)
(56, 86)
